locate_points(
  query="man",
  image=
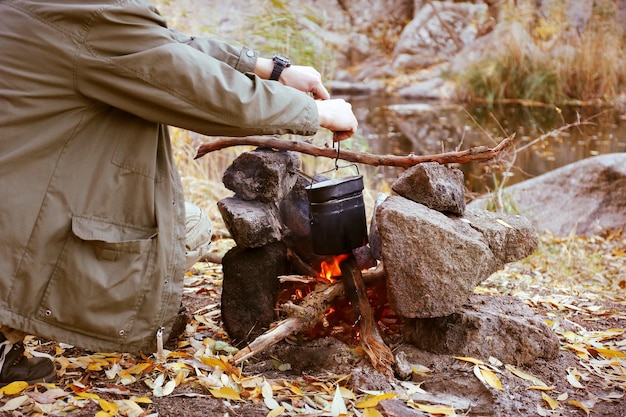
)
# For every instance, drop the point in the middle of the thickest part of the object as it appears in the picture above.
(92, 214)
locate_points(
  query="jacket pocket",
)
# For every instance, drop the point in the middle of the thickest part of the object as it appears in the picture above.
(100, 278)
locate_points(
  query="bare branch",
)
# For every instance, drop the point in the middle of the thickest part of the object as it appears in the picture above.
(480, 153)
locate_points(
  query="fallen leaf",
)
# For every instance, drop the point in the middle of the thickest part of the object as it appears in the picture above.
(470, 360)
(276, 412)
(226, 393)
(268, 396)
(541, 388)
(142, 400)
(338, 406)
(488, 377)
(579, 405)
(433, 409)
(14, 388)
(108, 407)
(550, 401)
(14, 403)
(609, 353)
(572, 378)
(528, 377)
(503, 223)
(371, 412)
(372, 401)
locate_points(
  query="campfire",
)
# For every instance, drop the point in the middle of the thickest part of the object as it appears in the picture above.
(304, 260)
(317, 304)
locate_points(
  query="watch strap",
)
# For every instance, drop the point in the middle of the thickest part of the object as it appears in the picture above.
(280, 63)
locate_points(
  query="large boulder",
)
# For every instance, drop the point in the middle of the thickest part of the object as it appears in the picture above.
(434, 262)
(499, 326)
(584, 197)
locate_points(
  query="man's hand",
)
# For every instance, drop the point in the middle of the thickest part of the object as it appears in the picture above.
(306, 79)
(336, 115)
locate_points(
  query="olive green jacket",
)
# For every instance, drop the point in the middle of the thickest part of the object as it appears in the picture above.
(91, 209)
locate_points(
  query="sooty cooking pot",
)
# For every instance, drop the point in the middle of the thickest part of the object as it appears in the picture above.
(337, 215)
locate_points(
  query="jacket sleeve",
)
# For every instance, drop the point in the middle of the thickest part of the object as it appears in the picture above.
(241, 59)
(132, 61)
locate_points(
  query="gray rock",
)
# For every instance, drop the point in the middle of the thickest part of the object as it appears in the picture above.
(262, 174)
(586, 197)
(252, 224)
(428, 89)
(250, 289)
(502, 327)
(433, 262)
(433, 185)
(511, 237)
(374, 238)
(427, 41)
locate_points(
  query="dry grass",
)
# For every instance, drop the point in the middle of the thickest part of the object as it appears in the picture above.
(547, 60)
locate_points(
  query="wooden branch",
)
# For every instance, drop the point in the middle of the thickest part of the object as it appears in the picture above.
(303, 316)
(371, 340)
(480, 153)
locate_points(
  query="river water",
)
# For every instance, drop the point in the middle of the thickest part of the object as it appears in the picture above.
(400, 127)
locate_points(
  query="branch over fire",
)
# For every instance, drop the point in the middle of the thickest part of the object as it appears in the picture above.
(480, 153)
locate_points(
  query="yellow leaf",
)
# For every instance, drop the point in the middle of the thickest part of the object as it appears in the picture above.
(528, 377)
(139, 368)
(371, 412)
(102, 414)
(492, 379)
(433, 409)
(371, 401)
(610, 353)
(503, 223)
(214, 362)
(88, 395)
(579, 405)
(541, 388)
(226, 393)
(276, 412)
(294, 389)
(142, 400)
(108, 406)
(551, 402)
(14, 388)
(470, 360)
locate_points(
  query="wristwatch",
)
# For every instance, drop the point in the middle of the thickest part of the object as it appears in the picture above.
(280, 63)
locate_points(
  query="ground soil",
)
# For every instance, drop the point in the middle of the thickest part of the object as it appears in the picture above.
(332, 360)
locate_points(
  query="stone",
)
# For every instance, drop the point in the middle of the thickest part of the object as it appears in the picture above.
(250, 290)
(437, 32)
(433, 185)
(374, 238)
(262, 175)
(511, 237)
(252, 224)
(585, 197)
(433, 262)
(428, 89)
(502, 327)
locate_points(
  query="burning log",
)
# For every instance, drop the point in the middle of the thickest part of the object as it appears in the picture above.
(372, 342)
(480, 153)
(304, 316)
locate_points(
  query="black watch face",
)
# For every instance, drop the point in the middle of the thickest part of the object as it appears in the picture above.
(282, 60)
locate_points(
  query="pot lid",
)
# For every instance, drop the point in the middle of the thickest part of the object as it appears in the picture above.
(334, 188)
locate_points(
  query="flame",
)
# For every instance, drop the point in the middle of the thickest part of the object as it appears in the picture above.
(332, 269)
